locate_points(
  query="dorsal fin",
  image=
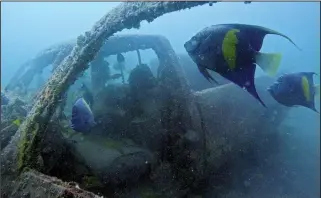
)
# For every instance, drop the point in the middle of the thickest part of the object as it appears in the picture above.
(256, 34)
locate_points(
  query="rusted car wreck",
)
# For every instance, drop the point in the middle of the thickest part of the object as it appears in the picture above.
(200, 132)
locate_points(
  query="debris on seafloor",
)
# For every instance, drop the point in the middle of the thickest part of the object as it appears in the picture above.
(12, 115)
(47, 186)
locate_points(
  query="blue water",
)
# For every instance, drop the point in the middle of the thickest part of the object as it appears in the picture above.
(28, 28)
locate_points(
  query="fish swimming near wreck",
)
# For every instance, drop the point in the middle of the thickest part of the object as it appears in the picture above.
(296, 89)
(232, 50)
(4, 99)
(120, 65)
(82, 118)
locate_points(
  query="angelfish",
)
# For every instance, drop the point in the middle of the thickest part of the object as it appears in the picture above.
(233, 51)
(4, 99)
(82, 118)
(296, 89)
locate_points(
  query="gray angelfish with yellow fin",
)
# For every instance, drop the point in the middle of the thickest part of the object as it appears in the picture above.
(296, 89)
(233, 51)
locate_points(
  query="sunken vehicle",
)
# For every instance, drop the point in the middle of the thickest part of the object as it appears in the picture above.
(155, 136)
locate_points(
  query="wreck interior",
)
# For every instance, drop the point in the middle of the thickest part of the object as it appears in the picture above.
(155, 135)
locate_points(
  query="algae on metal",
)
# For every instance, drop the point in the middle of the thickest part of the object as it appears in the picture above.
(28, 144)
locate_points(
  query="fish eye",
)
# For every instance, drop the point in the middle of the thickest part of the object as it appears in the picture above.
(194, 40)
(192, 44)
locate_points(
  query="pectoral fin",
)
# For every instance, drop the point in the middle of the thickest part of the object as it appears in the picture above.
(206, 74)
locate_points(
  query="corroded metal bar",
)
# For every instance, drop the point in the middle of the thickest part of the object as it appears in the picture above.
(50, 56)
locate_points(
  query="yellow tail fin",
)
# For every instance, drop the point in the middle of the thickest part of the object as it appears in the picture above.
(317, 91)
(269, 62)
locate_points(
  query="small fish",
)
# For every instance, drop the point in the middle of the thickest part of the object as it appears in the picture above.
(116, 76)
(17, 122)
(120, 58)
(120, 64)
(232, 50)
(82, 119)
(87, 95)
(4, 99)
(295, 89)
